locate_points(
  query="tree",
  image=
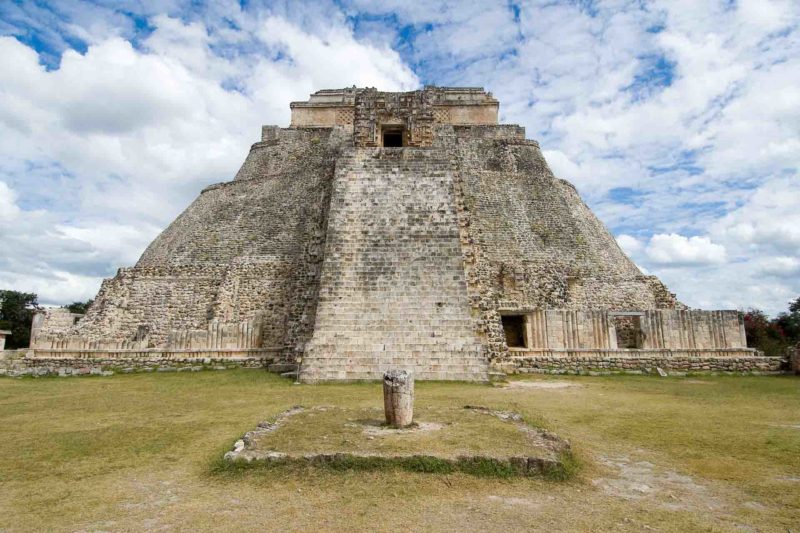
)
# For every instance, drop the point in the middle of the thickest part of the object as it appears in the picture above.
(16, 314)
(773, 337)
(789, 322)
(79, 307)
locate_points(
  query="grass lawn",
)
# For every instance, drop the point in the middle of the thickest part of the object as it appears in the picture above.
(140, 452)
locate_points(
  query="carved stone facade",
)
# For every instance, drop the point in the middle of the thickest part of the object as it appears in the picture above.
(389, 230)
(366, 112)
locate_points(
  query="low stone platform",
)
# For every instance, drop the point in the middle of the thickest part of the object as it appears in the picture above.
(469, 439)
(638, 361)
(64, 367)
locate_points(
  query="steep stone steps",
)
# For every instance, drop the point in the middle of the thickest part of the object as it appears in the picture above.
(366, 367)
(393, 292)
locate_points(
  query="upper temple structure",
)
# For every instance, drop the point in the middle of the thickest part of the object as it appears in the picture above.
(386, 230)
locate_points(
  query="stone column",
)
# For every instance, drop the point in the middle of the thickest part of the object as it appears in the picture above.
(398, 398)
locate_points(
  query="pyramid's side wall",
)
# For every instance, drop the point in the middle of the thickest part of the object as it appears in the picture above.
(244, 252)
(530, 242)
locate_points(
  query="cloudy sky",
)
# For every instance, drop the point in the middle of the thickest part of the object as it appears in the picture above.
(678, 121)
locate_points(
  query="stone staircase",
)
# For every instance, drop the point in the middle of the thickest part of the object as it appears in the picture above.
(393, 292)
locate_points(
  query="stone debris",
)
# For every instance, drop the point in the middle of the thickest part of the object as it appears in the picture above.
(239, 450)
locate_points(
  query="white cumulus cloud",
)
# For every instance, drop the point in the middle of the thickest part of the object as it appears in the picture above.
(629, 244)
(8, 207)
(112, 144)
(780, 266)
(674, 249)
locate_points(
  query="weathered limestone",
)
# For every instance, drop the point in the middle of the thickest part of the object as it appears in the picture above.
(3, 334)
(365, 111)
(398, 398)
(560, 329)
(392, 289)
(391, 230)
(105, 365)
(741, 361)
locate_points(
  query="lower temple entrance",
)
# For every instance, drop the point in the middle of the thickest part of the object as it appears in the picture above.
(629, 332)
(514, 329)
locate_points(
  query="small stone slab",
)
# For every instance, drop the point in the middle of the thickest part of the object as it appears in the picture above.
(457, 437)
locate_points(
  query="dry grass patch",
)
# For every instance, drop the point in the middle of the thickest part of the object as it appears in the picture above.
(474, 440)
(111, 454)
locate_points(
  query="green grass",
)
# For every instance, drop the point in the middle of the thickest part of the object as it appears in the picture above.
(567, 467)
(461, 432)
(142, 452)
(422, 464)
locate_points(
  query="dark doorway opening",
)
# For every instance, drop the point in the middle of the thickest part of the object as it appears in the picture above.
(393, 139)
(514, 328)
(629, 332)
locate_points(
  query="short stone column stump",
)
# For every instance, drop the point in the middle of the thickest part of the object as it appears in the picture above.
(398, 398)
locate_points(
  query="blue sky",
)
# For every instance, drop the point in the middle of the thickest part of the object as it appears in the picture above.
(679, 122)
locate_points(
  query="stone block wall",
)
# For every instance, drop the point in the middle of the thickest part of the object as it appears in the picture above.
(561, 329)
(258, 286)
(53, 321)
(364, 110)
(642, 361)
(107, 363)
(143, 304)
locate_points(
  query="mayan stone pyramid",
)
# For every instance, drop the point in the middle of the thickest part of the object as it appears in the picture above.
(389, 230)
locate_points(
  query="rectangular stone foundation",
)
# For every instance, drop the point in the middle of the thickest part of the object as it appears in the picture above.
(635, 361)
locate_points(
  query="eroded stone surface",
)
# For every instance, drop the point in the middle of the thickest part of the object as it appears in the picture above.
(637, 480)
(398, 398)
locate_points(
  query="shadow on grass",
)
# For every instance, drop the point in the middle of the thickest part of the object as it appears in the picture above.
(564, 469)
